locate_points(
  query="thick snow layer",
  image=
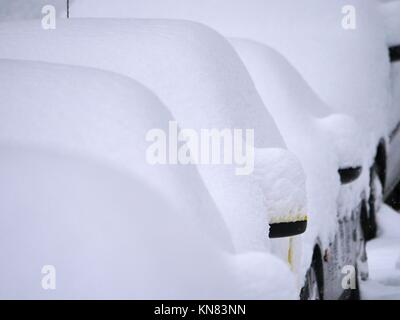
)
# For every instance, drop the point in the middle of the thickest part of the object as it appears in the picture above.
(316, 135)
(349, 69)
(199, 76)
(391, 14)
(29, 9)
(101, 115)
(110, 236)
(383, 258)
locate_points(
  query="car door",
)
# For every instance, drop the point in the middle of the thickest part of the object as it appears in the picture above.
(393, 163)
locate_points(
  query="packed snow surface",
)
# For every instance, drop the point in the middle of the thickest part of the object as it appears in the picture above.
(201, 79)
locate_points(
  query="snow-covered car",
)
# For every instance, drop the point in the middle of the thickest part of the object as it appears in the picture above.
(323, 186)
(346, 62)
(319, 138)
(340, 64)
(201, 79)
(77, 195)
(347, 65)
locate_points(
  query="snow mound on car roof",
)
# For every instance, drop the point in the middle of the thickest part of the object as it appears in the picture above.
(89, 220)
(200, 78)
(322, 140)
(347, 68)
(101, 115)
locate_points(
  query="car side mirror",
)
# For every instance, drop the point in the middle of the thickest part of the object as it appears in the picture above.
(394, 53)
(349, 175)
(287, 229)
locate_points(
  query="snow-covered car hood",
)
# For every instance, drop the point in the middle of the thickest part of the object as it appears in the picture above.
(348, 69)
(200, 78)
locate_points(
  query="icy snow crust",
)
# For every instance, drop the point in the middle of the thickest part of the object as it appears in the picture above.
(96, 225)
(200, 78)
(104, 116)
(349, 69)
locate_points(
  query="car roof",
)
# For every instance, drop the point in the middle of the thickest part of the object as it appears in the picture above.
(198, 75)
(349, 69)
(193, 69)
(290, 93)
(100, 115)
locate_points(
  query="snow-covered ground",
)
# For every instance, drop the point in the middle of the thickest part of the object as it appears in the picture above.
(384, 258)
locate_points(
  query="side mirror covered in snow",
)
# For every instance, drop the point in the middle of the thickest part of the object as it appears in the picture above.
(287, 229)
(349, 175)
